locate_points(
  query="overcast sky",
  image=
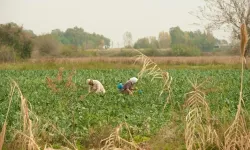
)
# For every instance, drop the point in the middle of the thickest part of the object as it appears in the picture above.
(108, 17)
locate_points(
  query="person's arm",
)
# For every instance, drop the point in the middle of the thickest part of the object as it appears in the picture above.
(127, 88)
(89, 90)
(129, 91)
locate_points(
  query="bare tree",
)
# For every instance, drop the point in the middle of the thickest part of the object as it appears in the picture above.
(164, 39)
(226, 13)
(127, 38)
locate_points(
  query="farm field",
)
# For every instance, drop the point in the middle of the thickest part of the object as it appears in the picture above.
(86, 120)
(120, 75)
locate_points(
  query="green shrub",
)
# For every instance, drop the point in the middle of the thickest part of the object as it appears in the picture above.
(13, 35)
(7, 54)
(85, 53)
(47, 45)
(151, 52)
(67, 51)
(185, 50)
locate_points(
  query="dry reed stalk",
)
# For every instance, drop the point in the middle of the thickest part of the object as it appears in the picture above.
(115, 141)
(167, 80)
(166, 87)
(236, 136)
(71, 144)
(150, 68)
(199, 133)
(3, 131)
(25, 137)
(63, 148)
(244, 39)
(246, 141)
(2, 135)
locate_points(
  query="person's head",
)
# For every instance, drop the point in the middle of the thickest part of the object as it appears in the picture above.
(133, 80)
(89, 81)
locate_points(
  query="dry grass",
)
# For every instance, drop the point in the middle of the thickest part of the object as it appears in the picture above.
(2, 135)
(244, 39)
(151, 69)
(24, 139)
(201, 60)
(199, 133)
(115, 141)
(168, 137)
(67, 141)
(237, 136)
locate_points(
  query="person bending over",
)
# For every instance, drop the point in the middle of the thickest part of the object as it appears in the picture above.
(128, 86)
(95, 86)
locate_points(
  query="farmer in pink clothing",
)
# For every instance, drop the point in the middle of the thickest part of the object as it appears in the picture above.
(128, 86)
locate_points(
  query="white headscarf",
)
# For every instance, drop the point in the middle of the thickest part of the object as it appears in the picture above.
(133, 80)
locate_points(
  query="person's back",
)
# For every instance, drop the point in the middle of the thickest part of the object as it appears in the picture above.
(95, 86)
(128, 85)
(100, 88)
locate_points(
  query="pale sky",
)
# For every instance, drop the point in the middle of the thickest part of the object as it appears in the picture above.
(112, 18)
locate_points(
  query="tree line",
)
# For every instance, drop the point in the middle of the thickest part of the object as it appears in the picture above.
(179, 41)
(17, 43)
(78, 37)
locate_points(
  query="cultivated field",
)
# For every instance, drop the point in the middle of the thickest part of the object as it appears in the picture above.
(62, 113)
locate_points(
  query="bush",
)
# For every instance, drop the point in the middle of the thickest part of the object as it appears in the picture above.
(231, 51)
(127, 53)
(47, 45)
(185, 50)
(67, 51)
(7, 54)
(152, 52)
(14, 36)
(87, 53)
(71, 51)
